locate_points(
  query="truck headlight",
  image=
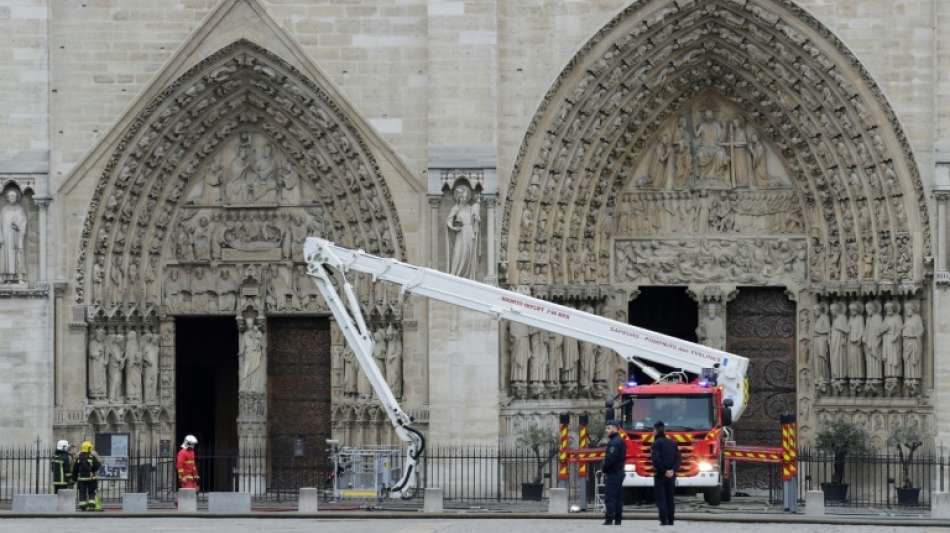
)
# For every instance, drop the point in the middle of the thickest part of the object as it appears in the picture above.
(629, 468)
(705, 466)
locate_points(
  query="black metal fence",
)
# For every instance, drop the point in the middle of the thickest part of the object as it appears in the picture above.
(875, 481)
(477, 474)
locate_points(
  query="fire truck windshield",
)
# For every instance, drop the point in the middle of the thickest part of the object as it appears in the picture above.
(678, 413)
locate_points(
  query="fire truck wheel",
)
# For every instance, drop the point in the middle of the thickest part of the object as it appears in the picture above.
(713, 496)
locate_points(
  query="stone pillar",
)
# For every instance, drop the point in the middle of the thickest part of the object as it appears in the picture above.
(464, 389)
(491, 275)
(166, 378)
(434, 203)
(252, 404)
(43, 205)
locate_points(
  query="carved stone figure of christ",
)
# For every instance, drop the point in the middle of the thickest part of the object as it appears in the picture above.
(462, 223)
(711, 156)
(12, 237)
(251, 358)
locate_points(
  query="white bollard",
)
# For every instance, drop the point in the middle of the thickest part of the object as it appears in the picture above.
(557, 501)
(308, 500)
(815, 503)
(134, 502)
(66, 501)
(35, 503)
(187, 500)
(940, 504)
(433, 500)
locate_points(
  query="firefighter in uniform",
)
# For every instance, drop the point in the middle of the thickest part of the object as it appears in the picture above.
(62, 466)
(85, 472)
(614, 461)
(187, 468)
(665, 456)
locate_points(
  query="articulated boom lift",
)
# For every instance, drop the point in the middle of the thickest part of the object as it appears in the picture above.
(635, 345)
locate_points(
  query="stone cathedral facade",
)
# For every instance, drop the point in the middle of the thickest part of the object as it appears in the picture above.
(765, 176)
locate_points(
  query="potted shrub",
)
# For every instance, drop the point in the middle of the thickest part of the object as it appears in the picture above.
(542, 443)
(907, 439)
(840, 439)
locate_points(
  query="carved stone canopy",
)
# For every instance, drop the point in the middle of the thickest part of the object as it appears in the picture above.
(242, 101)
(802, 93)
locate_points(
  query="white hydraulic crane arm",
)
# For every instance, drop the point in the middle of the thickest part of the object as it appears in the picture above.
(632, 343)
(350, 319)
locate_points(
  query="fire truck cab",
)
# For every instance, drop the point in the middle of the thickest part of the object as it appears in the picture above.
(697, 419)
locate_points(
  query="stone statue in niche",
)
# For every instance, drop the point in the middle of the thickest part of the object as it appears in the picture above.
(760, 173)
(712, 327)
(539, 362)
(855, 347)
(873, 331)
(741, 173)
(349, 371)
(13, 222)
(251, 357)
(683, 155)
(150, 351)
(838, 344)
(116, 349)
(463, 226)
(555, 349)
(133, 367)
(663, 166)
(98, 363)
(892, 331)
(587, 359)
(379, 348)
(519, 345)
(913, 334)
(572, 358)
(394, 360)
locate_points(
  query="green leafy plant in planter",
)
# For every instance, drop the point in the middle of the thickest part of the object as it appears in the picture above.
(907, 439)
(542, 443)
(840, 439)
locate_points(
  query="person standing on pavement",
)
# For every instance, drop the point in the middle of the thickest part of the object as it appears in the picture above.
(614, 460)
(666, 459)
(185, 462)
(62, 467)
(86, 474)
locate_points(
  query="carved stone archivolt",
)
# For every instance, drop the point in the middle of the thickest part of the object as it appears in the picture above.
(233, 164)
(647, 114)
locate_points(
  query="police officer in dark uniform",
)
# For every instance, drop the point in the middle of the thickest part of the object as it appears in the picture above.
(614, 461)
(666, 462)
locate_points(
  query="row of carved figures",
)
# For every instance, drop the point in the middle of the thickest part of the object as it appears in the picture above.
(123, 364)
(868, 347)
(387, 351)
(547, 365)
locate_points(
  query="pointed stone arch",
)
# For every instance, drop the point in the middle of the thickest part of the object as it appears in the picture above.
(165, 156)
(845, 151)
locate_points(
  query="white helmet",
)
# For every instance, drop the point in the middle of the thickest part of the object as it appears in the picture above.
(190, 441)
(62, 445)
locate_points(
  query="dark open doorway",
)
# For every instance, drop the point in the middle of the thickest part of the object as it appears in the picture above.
(667, 310)
(206, 388)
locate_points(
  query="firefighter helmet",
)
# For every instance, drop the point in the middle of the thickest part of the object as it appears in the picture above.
(62, 445)
(86, 447)
(190, 441)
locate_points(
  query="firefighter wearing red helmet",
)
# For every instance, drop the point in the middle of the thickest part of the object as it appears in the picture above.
(187, 467)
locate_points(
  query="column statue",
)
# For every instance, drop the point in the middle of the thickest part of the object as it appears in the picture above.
(150, 352)
(539, 362)
(98, 362)
(873, 331)
(555, 350)
(350, 371)
(712, 327)
(839, 346)
(821, 347)
(462, 238)
(855, 368)
(251, 357)
(892, 354)
(519, 338)
(116, 365)
(394, 360)
(133, 367)
(913, 334)
(572, 358)
(13, 222)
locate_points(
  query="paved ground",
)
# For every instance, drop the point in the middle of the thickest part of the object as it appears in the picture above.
(199, 525)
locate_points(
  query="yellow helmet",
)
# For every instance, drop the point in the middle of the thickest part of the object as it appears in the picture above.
(86, 447)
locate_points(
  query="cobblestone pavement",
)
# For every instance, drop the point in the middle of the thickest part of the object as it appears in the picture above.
(227, 525)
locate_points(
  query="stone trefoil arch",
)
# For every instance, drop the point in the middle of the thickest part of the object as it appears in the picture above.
(857, 184)
(168, 148)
